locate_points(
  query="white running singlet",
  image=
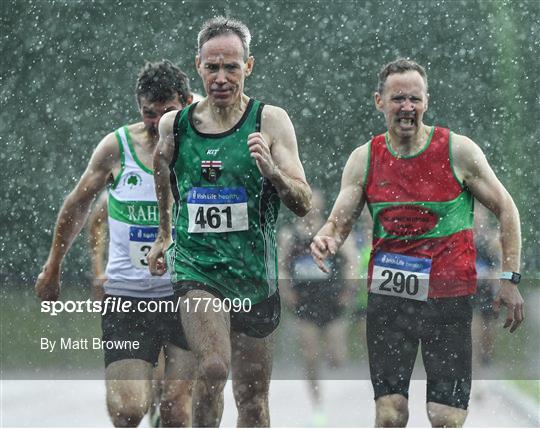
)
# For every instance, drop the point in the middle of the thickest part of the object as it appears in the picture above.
(133, 226)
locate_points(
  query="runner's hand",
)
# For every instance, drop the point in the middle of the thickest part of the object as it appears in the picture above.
(98, 292)
(509, 296)
(48, 283)
(156, 257)
(321, 248)
(260, 152)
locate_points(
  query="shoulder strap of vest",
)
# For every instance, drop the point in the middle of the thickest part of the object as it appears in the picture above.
(123, 148)
(179, 129)
(258, 118)
(122, 136)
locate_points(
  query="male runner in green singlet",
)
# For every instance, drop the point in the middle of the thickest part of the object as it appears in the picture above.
(419, 182)
(231, 161)
(122, 161)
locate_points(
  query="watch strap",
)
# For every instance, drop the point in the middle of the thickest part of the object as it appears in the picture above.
(511, 276)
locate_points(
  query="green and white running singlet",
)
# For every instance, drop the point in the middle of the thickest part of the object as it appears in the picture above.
(133, 225)
(225, 225)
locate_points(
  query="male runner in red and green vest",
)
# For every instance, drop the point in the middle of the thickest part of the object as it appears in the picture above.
(419, 183)
(232, 160)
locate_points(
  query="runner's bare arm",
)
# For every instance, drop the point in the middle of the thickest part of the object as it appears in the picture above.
(285, 276)
(74, 213)
(349, 256)
(347, 208)
(276, 152)
(97, 237)
(163, 156)
(473, 169)
(349, 253)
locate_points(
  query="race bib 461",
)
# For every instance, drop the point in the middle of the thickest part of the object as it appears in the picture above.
(217, 210)
(399, 275)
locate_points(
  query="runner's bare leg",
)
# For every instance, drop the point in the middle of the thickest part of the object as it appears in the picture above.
(207, 332)
(309, 336)
(176, 399)
(251, 373)
(129, 391)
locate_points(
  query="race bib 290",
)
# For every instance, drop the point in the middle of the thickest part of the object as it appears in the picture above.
(399, 275)
(217, 210)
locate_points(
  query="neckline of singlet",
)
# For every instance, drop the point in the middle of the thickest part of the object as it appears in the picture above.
(414, 155)
(133, 152)
(235, 128)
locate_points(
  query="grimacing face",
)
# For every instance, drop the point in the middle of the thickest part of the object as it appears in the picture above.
(223, 70)
(151, 112)
(403, 103)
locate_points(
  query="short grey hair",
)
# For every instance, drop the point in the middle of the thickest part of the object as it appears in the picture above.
(219, 26)
(400, 65)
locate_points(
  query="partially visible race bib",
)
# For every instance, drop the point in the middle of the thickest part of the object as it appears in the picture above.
(399, 275)
(141, 239)
(217, 210)
(305, 269)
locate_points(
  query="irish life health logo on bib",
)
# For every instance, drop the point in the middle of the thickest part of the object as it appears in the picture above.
(401, 276)
(217, 209)
(141, 239)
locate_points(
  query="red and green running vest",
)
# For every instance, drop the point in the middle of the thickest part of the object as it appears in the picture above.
(423, 243)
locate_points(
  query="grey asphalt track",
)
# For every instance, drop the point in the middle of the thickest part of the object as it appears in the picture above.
(81, 403)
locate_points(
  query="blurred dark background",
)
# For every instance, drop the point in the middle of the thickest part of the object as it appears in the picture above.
(68, 71)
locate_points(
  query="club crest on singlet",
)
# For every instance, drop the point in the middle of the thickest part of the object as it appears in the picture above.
(132, 180)
(211, 170)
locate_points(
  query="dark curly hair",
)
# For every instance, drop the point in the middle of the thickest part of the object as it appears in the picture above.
(161, 81)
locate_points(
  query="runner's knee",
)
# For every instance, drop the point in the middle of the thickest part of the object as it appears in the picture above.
(214, 368)
(391, 411)
(127, 403)
(336, 359)
(445, 416)
(250, 392)
(126, 412)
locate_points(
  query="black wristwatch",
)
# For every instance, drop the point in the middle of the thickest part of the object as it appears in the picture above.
(512, 276)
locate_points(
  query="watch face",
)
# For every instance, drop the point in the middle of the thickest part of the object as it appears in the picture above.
(516, 277)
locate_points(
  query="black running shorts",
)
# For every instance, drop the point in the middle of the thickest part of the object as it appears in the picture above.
(395, 329)
(262, 319)
(318, 302)
(152, 330)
